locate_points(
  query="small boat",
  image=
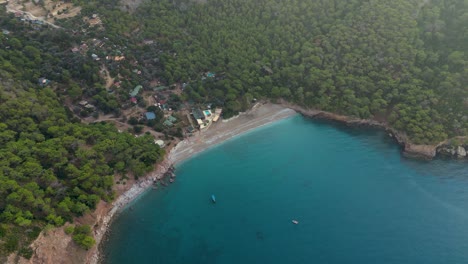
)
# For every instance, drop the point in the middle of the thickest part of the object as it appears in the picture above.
(213, 198)
(295, 222)
(171, 180)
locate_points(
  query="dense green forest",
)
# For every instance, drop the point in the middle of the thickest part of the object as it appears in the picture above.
(402, 62)
(52, 167)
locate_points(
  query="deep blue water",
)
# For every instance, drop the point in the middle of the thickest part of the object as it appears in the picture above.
(356, 198)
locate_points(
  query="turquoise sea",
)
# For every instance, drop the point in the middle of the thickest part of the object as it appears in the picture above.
(356, 198)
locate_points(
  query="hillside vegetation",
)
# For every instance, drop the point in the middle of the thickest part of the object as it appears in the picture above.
(403, 61)
(52, 167)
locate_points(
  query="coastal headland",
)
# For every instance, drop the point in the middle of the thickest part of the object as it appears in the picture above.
(409, 149)
(55, 246)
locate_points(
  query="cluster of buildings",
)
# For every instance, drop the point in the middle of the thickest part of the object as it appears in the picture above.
(24, 17)
(205, 117)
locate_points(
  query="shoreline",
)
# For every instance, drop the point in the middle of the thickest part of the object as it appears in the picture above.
(408, 149)
(258, 116)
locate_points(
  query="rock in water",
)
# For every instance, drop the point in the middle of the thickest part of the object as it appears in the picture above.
(461, 152)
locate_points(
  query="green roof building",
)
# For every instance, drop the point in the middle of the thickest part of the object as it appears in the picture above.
(136, 90)
(172, 119)
(168, 123)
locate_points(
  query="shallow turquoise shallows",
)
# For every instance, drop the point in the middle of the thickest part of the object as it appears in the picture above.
(357, 200)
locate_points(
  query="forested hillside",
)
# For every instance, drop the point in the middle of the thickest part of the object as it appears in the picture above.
(52, 167)
(403, 61)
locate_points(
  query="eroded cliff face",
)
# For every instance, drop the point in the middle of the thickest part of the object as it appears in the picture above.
(453, 151)
(420, 151)
(446, 148)
(53, 246)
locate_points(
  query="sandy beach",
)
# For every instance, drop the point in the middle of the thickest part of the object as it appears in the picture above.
(224, 130)
(57, 247)
(259, 115)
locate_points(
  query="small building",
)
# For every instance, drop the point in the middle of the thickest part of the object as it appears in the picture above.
(217, 114)
(198, 114)
(83, 103)
(133, 100)
(160, 143)
(43, 81)
(190, 129)
(150, 115)
(136, 90)
(267, 70)
(168, 123)
(172, 119)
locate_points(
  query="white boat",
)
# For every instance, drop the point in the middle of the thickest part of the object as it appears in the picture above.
(295, 222)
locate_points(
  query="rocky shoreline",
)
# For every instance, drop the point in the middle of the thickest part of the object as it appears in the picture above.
(444, 149)
(122, 201)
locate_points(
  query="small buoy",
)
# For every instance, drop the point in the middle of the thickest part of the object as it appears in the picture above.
(295, 222)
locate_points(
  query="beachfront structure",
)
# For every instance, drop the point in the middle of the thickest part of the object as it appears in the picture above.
(207, 114)
(205, 117)
(217, 114)
(203, 123)
(198, 114)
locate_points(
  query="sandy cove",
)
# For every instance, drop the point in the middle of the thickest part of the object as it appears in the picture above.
(54, 246)
(259, 115)
(57, 247)
(224, 130)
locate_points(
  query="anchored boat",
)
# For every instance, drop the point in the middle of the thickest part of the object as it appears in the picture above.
(213, 198)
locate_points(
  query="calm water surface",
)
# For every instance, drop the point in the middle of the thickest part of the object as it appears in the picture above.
(356, 199)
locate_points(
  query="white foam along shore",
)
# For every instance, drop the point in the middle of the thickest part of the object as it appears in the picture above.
(259, 115)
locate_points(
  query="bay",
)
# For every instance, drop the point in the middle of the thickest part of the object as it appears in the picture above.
(356, 198)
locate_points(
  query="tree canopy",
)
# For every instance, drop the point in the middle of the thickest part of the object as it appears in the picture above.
(402, 62)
